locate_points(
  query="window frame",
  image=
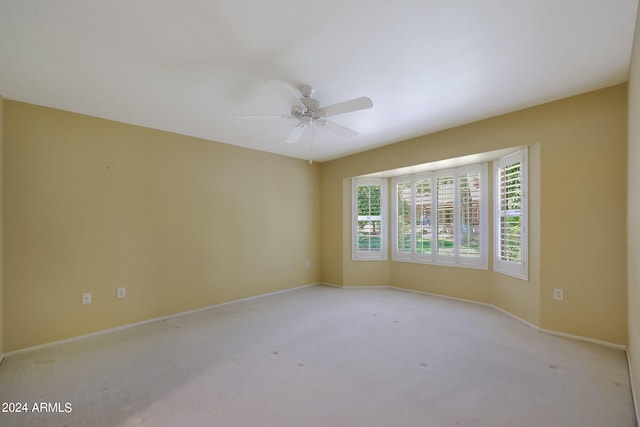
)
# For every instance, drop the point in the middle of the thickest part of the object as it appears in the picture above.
(435, 257)
(369, 255)
(515, 269)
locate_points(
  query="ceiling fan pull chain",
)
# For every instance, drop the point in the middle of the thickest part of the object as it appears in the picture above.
(311, 148)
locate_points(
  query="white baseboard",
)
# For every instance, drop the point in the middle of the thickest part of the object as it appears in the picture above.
(329, 284)
(521, 320)
(369, 287)
(145, 322)
(513, 316)
(184, 313)
(585, 339)
(633, 389)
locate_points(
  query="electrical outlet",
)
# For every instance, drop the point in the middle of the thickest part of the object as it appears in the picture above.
(558, 294)
(122, 292)
(86, 298)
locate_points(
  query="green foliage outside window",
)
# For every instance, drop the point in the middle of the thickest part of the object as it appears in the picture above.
(369, 217)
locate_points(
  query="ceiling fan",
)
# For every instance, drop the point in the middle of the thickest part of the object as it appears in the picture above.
(308, 111)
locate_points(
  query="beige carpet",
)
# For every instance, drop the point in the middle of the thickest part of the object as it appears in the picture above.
(322, 356)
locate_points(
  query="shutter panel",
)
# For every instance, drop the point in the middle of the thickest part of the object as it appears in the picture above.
(469, 214)
(445, 200)
(403, 217)
(510, 192)
(511, 215)
(368, 224)
(423, 234)
(369, 218)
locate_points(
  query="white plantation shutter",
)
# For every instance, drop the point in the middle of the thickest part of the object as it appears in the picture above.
(368, 223)
(445, 214)
(441, 217)
(403, 242)
(511, 214)
(469, 213)
(423, 234)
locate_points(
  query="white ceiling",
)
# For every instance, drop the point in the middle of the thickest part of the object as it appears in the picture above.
(192, 67)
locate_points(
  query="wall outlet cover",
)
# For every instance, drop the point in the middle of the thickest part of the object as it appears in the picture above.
(558, 294)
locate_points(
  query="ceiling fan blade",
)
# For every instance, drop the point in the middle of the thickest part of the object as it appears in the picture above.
(336, 128)
(296, 133)
(264, 116)
(287, 93)
(346, 107)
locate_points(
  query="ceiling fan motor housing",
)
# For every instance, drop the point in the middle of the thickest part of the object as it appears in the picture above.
(311, 107)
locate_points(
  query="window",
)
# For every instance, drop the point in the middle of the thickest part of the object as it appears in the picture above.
(441, 217)
(369, 225)
(510, 212)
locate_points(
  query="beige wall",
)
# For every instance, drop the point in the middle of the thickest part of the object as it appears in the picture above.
(182, 223)
(583, 217)
(1, 228)
(576, 241)
(92, 205)
(633, 215)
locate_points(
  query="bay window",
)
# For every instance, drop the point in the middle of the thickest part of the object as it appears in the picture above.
(441, 217)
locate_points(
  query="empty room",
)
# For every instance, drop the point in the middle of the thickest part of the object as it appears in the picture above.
(410, 213)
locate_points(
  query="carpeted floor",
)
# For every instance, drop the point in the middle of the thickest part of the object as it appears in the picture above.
(322, 356)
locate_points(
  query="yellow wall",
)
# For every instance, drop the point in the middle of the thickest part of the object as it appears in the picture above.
(583, 217)
(92, 205)
(1, 228)
(633, 215)
(577, 160)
